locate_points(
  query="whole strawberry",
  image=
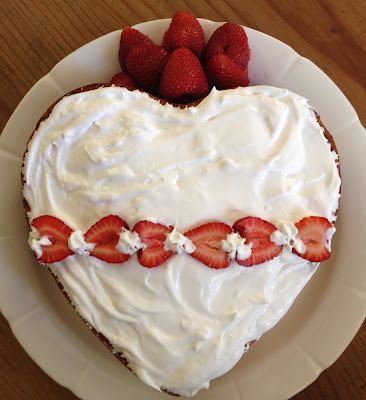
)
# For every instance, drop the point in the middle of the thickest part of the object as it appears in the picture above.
(144, 63)
(185, 31)
(229, 39)
(130, 38)
(223, 73)
(124, 80)
(183, 79)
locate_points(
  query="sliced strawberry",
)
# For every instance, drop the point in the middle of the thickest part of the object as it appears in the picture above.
(145, 63)
(58, 233)
(313, 233)
(124, 80)
(105, 234)
(207, 239)
(109, 254)
(54, 253)
(229, 39)
(224, 73)
(130, 38)
(257, 231)
(183, 79)
(153, 236)
(185, 31)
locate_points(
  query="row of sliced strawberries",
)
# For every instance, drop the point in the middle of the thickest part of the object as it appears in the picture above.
(206, 238)
(184, 68)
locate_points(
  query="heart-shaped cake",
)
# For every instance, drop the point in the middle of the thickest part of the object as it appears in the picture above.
(181, 234)
(245, 157)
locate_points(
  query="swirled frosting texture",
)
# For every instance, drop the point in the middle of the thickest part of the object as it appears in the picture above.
(249, 151)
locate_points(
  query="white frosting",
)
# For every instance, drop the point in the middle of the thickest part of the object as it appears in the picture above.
(129, 242)
(36, 241)
(235, 245)
(78, 244)
(177, 242)
(249, 151)
(287, 235)
(328, 237)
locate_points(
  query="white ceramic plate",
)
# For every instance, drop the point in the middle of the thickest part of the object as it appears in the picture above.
(310, 337)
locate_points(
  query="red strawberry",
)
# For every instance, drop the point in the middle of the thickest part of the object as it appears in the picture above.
(183, 79)
(130, 38)
(58, 233)
(258, 232)
(124, 80)
(185, 31)
(207, 239)
(145, 63)
(312, 232)
(223, 73)
(153, 236)
(105, 233)
(230, 39)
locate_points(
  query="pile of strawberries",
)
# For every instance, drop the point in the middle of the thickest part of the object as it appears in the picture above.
(184, 69)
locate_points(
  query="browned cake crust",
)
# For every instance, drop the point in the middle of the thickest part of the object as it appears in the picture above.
(100, 336)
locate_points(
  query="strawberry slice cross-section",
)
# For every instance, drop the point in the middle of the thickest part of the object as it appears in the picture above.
(153, 235)
(58, 233)
(313, 233)
(207, 240)
(105, 235)
(257, 232)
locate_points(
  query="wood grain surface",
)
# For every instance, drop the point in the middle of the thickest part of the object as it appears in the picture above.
(36, 34)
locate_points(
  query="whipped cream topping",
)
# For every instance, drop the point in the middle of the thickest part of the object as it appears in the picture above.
(249, 151)
(235, 245)
(129, 242)
(78, 244)
(328, 237)
(177, 242)
(36, 241)
(287, 235)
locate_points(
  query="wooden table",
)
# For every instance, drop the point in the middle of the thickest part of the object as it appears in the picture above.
(36, 34)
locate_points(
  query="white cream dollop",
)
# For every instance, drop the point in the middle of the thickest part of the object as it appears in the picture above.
(36, 241)
(287, 235)
(177, 242)
(129, 242)
(78, 245)
(255, 151)
(235, 245)
(328, 237)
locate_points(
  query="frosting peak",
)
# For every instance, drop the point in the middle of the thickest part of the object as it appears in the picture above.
(36, 241)
(78, 244)
(235, 245)
(129, 242)
(177, 242)
(287, 235)
(328, 237)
